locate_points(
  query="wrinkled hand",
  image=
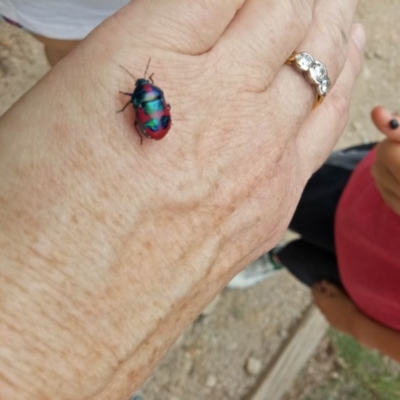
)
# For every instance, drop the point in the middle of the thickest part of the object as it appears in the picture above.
(386, 169)
(244, 135)
(338, 308)
(124, 244)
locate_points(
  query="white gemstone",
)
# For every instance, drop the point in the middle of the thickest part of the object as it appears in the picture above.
(326, 85)
(323, 87)
(317, 73)
(304, 61)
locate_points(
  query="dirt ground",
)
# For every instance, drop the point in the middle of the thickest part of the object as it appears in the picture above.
(222, 353)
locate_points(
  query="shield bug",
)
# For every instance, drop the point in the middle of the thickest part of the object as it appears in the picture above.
(153, 117)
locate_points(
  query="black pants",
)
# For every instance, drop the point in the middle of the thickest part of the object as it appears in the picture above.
(312, 258)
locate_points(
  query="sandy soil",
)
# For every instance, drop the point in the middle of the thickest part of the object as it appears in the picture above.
(223, 352)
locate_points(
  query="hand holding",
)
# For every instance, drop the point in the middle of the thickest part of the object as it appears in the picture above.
(386, 169)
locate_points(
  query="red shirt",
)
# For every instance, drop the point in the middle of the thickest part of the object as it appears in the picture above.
(367, 236)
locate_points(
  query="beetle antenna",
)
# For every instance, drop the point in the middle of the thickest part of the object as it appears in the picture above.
(128, 72)
(147, 68)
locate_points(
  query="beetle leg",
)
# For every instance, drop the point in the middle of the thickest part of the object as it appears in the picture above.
(151, 78)
(137, 131)
(126, 94)
(123, 108)
(169, 106)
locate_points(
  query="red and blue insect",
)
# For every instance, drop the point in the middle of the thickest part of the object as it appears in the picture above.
(153, 117)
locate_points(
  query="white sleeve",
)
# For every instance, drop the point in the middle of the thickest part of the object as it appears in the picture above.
(60, 19)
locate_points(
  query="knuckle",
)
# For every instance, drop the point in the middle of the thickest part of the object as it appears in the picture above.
(204, 4)
(207, 8)
(332, 29)
(300, 14)
(203, 11)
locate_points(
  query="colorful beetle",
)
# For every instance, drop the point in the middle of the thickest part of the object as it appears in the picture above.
(153, 117)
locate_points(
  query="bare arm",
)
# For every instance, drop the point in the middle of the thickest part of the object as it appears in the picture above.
(376, 336)
(110, 249)
(343, 314)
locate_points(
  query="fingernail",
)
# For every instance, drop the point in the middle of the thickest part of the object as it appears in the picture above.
(394, 124)
(359, 36)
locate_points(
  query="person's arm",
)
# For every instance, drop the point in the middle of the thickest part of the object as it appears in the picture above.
(343, 315)
(376, 336)
(109, 249)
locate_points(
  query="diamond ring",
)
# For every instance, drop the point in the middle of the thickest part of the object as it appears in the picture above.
(315, 73)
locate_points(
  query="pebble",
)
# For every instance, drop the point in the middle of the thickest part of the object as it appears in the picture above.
(253, 366)
(335, 376)
(211, 381)
(188, 364)
(283, 334)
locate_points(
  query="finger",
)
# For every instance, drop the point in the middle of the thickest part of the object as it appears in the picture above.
(323, 127)
(330, 288)
(329, 34)
(392, 201)
(319, 297)
(316, 294)
(387, 185)
(386, 122)
(389, 198)
(388, 156)
(325, 288)
(263, 35)
(385, 179)
(185, 26)
(327, 42)
(317, 287)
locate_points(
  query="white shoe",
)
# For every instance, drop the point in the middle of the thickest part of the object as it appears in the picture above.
(262, 268)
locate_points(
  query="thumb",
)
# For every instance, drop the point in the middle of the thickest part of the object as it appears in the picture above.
(387, 123)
